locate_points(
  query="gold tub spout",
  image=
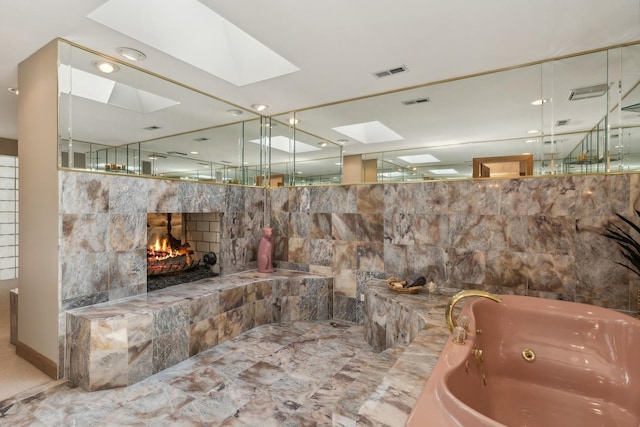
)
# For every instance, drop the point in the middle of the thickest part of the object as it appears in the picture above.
(448, 314)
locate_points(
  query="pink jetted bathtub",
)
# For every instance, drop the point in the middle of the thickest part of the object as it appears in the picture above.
(543, 363)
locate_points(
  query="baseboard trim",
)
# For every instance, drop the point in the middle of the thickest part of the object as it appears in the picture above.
(41, 362)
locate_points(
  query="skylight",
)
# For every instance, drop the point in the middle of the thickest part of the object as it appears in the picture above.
(283, 143)
(100, 89)
(419, 158)
(190, 31)
(369, 133)
(443, 171)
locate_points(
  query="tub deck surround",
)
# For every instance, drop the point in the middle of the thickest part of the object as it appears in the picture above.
(119, 343)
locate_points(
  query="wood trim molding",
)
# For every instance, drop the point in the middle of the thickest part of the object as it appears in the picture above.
(38, 360)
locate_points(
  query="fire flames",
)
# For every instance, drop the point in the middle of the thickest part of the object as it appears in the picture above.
(162, 250)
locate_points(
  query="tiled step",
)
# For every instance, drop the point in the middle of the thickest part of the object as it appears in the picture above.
(367, 373)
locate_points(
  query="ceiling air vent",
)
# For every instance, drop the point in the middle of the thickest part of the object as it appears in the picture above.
(176, 153)
(416, 101)
(202, 139)
(391, 71)
(563, 122)
(588, 92)
(154, 127)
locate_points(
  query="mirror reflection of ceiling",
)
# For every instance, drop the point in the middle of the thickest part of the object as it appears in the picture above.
(445, 125)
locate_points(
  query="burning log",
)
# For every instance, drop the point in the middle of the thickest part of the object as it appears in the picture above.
(163, 259)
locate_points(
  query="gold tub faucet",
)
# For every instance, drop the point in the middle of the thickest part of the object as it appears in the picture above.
(462, 295)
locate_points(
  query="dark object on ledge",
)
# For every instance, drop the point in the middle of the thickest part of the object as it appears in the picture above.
(415, 279)
(210, 258)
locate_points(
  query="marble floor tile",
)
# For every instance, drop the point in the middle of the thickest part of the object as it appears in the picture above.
(293, 374)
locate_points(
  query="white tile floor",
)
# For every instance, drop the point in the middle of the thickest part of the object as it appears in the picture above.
(16, 374)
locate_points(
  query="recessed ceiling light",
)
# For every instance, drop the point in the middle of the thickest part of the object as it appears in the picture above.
(13, 90)
(293, 121)
(322, 144)
(259, 107)
(194, 152)
(529, 141)
(105, 66)
(539, 101)
(532, 131)
(235, 112)
(131, 54)
(342, 141)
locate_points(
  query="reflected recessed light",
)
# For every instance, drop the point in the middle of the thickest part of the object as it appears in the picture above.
(539, 101)
(259, 107)
(293, 121)
(235, 112)
(13, 90)
(105, 66)
(322, 144)
(131, 54)
(342, 141)
(337, 163)
(299, 172)
(532, 131)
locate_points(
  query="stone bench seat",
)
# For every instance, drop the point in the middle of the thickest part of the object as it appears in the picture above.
(118, 343)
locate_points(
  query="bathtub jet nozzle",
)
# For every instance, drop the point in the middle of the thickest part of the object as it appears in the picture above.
(448, 314)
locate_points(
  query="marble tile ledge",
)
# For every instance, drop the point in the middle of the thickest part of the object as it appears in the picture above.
(119, 343)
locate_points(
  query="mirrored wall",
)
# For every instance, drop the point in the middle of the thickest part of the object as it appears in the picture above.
(120, 119)
(578, 114)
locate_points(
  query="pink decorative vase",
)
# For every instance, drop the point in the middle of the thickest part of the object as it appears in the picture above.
(265, 251)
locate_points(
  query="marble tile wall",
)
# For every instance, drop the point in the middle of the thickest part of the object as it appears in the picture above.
(102, 235)
(537, 236)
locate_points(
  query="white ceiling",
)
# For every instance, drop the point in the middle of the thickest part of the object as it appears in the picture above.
(339, 44)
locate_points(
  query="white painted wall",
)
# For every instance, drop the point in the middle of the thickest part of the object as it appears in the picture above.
(38, 242)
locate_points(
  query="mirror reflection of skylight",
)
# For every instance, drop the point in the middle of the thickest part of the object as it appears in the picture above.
(193, 33)
(100, 89)
(419, 158)
(283, 143)
(369, 132)
(443, 171)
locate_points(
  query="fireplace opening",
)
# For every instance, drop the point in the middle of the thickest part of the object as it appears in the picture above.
(181, 248)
